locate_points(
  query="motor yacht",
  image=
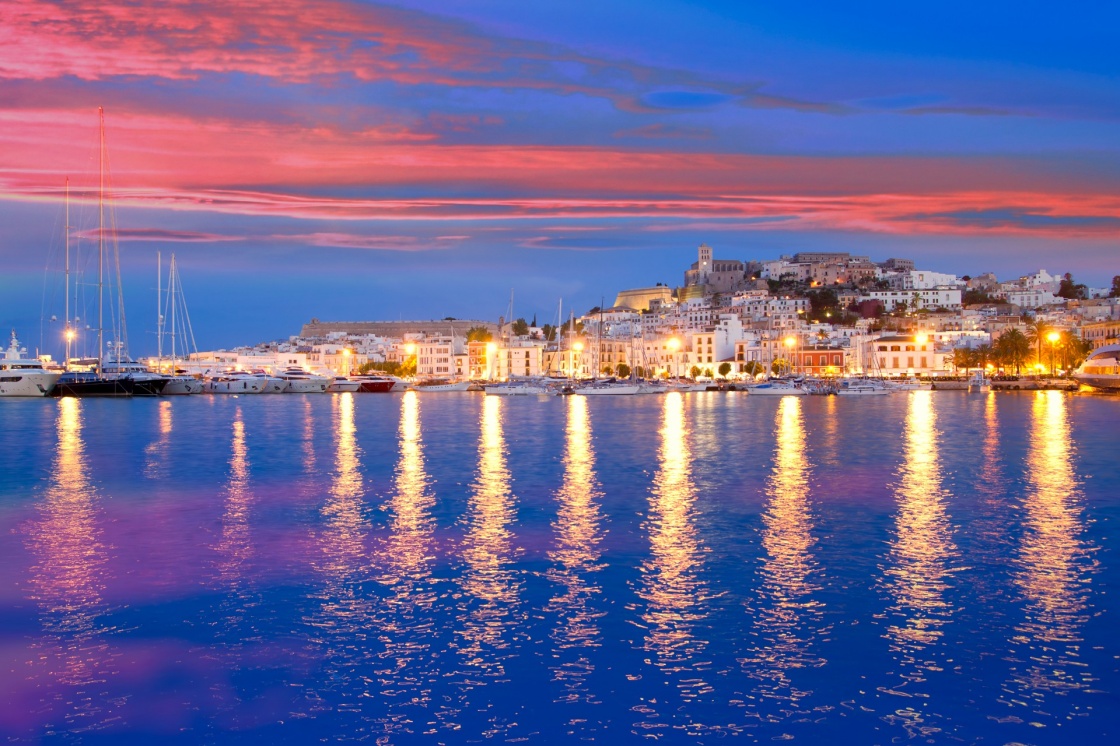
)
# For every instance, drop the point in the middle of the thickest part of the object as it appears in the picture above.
(234, 382)
(342, 384)
(777, 388)
(22, 376)
(301, 381)
(374, 384)
(1101, 369)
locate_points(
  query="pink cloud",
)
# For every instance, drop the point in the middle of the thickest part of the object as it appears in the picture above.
(267, 169)
(360, 241)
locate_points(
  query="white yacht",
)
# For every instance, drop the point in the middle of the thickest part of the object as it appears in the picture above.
(20, 376)
(777, 388)
(516, 388)
(910, 384)
(270, 384)
(864, 387)
(182, 385)
(342, 384)
(1101, 369)
(234, 382)
(440, 386)
(604, 388)
(302, 382)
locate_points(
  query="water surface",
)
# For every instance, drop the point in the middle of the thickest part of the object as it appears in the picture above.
(930, 567)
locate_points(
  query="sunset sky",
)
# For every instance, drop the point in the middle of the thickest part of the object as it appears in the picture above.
(420, 159)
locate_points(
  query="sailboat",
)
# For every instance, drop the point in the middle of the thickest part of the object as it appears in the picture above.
(97, 382)
(181, 335)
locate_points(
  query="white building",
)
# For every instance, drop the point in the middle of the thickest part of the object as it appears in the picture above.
(939, 297)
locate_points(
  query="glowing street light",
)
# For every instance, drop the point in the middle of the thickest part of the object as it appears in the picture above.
(790, 342)
(922, 339)
(346, 360)
(491, 359)
(1053, 337)
(674, 345)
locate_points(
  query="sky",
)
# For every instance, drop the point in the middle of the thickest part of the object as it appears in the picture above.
(349, 160)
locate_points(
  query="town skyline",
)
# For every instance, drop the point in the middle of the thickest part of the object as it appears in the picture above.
(409, 160)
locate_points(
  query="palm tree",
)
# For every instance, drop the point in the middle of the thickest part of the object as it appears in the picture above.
(963, 357)
(1012, 348)
(1036, 335)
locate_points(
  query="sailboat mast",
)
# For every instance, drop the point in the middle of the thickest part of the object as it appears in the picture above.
(66, 304)
(173, 292)
(159, 311)
(101, 240)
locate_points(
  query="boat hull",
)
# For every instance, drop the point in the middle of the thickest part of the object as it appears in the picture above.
(13, 383)
(182, 386)
(234, 386)
(93, 386)
(376, 387)
(439, 388)
(624, 390)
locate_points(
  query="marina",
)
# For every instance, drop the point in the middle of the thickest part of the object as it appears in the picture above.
(442, 569)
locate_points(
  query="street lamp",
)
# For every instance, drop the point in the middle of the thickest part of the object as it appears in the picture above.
(346, 361)
(491, 359)
(1053, 337)
(578, 347)
(674, 344)
(790, 342)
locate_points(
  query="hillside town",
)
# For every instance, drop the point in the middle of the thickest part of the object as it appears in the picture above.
(819, 314)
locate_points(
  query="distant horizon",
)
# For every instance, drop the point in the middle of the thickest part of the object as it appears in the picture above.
(358, 159)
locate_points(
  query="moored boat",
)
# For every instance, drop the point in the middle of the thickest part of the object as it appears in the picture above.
(342, 384)
(516, 388)
(234, 382)
(23, 376)
(863, 387)
(776, 388)
(374, 384)
(301, 381)
(606, 388)
(1101, 369)
(442, 386)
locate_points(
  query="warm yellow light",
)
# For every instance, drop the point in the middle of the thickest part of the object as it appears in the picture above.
(922, 339)
(410, 349)
(346, 353)
(491, 348)
(1040, 366)
(790, 341)
(578, 346)
(990, 366)
(70, 334)
(1053, 336)
(674, 344)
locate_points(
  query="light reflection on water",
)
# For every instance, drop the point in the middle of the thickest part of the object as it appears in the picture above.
(342, 613)
(67, 583)
(919, 570)
(369, 573)
(787, 617)
(405, 671)
(1052, 567)
(576, 558)
(672, 582)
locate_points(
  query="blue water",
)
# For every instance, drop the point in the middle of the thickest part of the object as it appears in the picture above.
(931, 567)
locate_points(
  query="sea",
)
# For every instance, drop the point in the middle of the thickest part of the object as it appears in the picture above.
(699, 568)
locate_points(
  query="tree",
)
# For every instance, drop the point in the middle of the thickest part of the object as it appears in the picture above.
(623, 370)
(694, 371)
(963, 357)
(781, 366)
(520, 328)
(1072, 290)
(1036, 335)
(707, 373)
(479, 334)
(549, 332)
(1012, 349)
(724, 369)
(753, 368)
(823, 301)
(1115, 292)
(607, 370)
(640, 372)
